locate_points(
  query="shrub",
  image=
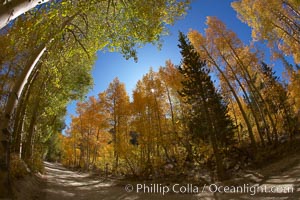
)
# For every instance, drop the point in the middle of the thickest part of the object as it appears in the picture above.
(18, 168)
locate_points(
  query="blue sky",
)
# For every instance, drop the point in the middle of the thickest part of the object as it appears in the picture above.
(111, 65)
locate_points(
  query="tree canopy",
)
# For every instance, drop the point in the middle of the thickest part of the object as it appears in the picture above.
(52, 48)
(221, 109)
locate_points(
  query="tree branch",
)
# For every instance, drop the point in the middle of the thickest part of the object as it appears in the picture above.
(79, 42)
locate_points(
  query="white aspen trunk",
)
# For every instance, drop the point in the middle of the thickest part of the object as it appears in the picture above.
(11, 9)
(21, 140)
(5, 122)
(19, 86)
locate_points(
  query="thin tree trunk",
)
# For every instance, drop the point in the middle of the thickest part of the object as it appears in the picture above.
(5, 133)
(250, 83)
(19, 86)
(74, 149)
(294, 10)
(249, 127)
(28, 148)
(6, 14)
(246, 96)
(160, 130)
(95, 151)
(16, 93)
(29, 138)
(19, 128)
(19, 122)
(14, 8)
(130, 166)
(235, 119)
(15, 96)
(171, 109)
(20, 115)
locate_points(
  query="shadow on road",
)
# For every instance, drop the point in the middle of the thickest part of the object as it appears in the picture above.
(61, 184)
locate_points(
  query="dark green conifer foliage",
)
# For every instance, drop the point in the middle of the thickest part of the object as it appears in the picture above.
(201, 96)
(207, 113)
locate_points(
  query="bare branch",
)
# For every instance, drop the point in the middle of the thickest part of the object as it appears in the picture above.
(79, 42)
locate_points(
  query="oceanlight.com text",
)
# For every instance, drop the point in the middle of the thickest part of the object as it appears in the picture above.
(212, 188)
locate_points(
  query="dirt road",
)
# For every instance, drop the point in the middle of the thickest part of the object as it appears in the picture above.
(63, 184)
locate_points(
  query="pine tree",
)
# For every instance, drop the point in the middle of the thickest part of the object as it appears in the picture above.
(208, 120)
